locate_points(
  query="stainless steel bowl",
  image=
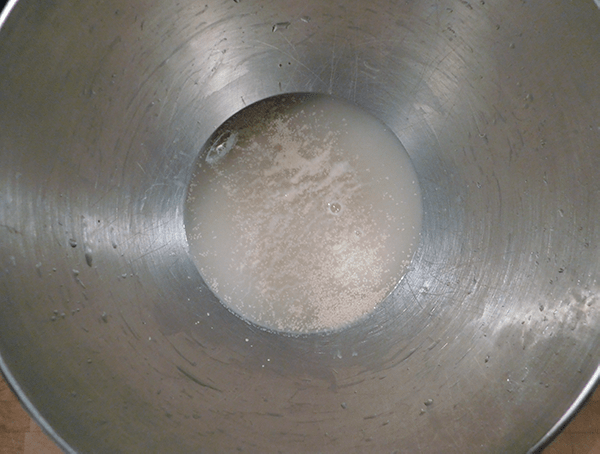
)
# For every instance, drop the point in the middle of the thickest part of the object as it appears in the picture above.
(115, 344)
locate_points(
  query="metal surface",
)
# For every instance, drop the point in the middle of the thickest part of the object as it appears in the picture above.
(109, 333)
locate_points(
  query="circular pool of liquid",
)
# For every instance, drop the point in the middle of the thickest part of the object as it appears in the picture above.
(303, 213)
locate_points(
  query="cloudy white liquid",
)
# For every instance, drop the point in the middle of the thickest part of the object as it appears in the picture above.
(303, 213)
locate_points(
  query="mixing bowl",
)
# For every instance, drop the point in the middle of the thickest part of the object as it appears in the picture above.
(115, 344)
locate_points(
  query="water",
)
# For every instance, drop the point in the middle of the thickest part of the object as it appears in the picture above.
(281, 26)
(303, 213)
(88, 255)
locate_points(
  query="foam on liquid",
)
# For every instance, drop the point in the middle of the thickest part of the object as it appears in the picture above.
(303, 213)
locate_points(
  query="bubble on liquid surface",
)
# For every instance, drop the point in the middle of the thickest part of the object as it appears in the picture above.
(335, 207)
(222, 145)
(256, 224)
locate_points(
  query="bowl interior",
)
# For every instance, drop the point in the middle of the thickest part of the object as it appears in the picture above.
(116, 344)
